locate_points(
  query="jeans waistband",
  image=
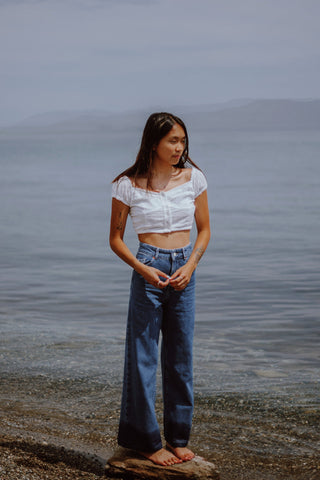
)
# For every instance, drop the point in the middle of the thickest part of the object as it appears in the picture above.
(185, 251)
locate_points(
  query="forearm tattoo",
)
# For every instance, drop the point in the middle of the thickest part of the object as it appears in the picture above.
(120, 223)
(198, 254)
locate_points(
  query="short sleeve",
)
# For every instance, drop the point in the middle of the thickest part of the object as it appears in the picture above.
(199, 182)
(122, 190)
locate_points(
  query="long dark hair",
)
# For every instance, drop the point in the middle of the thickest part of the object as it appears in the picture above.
(158, 126)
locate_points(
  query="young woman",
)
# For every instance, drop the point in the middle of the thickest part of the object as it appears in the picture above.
(162, 197)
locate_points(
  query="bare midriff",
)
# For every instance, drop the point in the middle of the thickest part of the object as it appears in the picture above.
(166, 240)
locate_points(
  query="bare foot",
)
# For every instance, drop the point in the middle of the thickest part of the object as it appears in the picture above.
(161, 457)
(184, 453)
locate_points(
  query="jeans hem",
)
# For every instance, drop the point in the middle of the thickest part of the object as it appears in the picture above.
(136, 448)
(177, 444)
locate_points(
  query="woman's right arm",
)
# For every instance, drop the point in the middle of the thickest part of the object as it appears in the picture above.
(119, 215)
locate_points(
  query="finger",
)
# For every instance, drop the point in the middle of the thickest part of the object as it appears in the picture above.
(162, 274)
(163, 279)
(181, 285)
(175, 278)
(162, 284)
(175, 275)
(177, 281)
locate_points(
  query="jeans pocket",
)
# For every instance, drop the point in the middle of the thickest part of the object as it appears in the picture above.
(146, 258)
(183, 260)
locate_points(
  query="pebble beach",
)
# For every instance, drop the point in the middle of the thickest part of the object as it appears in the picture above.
(67, 429)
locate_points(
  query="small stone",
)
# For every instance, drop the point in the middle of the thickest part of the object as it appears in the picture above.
(128, 465)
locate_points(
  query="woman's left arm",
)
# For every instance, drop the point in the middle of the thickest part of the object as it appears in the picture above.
(181, 277)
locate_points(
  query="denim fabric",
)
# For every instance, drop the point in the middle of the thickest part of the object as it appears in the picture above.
(152, 310)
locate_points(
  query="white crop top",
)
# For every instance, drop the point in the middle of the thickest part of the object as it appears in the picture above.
(161, 212)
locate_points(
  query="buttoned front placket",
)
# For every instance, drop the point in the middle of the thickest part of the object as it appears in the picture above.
(167, 222)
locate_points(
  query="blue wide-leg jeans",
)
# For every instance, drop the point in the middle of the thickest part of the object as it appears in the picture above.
(152, 310)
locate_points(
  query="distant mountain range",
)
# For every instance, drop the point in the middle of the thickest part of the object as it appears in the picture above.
(234, 115)
(262, 115)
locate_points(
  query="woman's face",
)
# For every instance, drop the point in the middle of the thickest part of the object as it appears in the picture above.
(171, 146)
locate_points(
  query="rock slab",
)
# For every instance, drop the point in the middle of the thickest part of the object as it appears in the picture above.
(129, 465)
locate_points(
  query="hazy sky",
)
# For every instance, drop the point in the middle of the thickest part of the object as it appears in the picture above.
(121, 54)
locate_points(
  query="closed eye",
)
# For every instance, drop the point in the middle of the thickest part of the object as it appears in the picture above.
(176, 139)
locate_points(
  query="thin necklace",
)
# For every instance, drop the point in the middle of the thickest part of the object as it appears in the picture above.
(157, 187)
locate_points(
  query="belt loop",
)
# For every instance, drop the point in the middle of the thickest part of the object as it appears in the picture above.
(184, 253)
(156, 253)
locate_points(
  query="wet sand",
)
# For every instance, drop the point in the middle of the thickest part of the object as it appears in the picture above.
(61, 429)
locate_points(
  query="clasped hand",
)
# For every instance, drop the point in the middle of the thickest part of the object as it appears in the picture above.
(179, 280)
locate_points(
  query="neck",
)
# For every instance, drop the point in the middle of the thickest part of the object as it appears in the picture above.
(162, 170)
(161, 176)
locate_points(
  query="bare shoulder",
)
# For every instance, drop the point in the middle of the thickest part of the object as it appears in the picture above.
(182, 173)
(187, 173)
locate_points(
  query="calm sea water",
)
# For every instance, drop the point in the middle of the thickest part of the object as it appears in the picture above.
(64, 293)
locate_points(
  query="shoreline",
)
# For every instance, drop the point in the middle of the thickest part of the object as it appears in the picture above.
(67, 429)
